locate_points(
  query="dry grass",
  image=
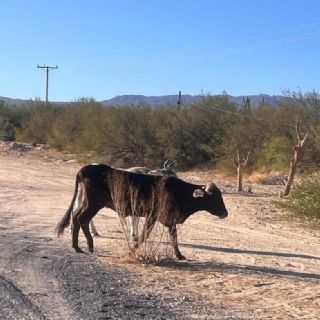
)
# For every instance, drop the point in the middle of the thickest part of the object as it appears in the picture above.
(128, 200)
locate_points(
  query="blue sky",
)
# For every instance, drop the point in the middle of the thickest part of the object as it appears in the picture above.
(105, 48)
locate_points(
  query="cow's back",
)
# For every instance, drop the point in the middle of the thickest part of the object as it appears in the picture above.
(142, 183)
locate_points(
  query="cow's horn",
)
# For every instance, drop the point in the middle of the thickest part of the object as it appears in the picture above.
(209, 188)
(168, 164)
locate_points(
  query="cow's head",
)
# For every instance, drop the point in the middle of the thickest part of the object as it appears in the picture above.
(211, 200)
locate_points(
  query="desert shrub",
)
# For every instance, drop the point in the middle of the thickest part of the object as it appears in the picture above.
(304, 201)
(77, 128)
(208, 132)
(6, 129)
(151, 250)
(174, 138)
(36, 126)
(210, 119)
(126, 137)
(275, 154)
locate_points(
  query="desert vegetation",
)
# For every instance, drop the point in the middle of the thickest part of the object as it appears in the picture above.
(304, 201)
(155, 248)
(212, 133)
(208, 132)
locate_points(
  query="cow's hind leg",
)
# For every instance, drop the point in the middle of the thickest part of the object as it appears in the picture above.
(75, 234)
(86, 230)
(174, 241)
(84, 220)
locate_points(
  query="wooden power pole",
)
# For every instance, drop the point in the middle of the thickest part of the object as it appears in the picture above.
(179, 101)
(47, 68)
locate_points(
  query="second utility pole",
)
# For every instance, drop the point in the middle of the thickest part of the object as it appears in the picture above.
(47, 77)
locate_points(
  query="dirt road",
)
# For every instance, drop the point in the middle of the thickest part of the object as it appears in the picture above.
(253, 265)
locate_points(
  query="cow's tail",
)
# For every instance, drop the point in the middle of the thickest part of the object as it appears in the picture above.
(65, 221)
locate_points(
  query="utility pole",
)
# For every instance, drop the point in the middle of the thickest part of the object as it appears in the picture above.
(47, 77)
(179, 101)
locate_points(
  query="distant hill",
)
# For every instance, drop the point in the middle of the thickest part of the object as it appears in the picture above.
(157, 101)
(154, 101)
(186, 99)
(259, 98)
(11, 101)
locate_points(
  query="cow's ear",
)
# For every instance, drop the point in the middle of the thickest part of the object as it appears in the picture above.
(198, 193)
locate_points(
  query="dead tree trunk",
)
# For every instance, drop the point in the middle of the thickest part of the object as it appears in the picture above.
(295, 160)
(240, 164)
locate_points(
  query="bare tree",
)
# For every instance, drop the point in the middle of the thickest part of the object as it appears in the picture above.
(295, 160)
(240, 163)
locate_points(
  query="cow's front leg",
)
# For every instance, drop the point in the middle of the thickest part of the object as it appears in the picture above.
(174, 241)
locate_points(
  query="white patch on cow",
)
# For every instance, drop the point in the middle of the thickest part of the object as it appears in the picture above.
(198, 193)
(134, 223)
(77, 202)
(93, 229)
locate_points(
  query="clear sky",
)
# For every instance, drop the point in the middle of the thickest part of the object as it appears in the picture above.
(105, 48)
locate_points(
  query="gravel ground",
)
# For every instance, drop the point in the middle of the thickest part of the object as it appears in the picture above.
(42, 280)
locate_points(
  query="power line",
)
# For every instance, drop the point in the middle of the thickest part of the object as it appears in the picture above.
(47, 68)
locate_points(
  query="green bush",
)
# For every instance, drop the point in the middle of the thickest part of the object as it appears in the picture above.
(77, 127)
(206, 133)
(36, 126)
(6, 129)
(275, 154)
(304, 201)
(126, 137)
(173, 137)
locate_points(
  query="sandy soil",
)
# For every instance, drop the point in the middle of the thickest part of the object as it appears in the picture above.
(253, 265)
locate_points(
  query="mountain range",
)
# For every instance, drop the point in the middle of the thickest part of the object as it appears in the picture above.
(158, 101)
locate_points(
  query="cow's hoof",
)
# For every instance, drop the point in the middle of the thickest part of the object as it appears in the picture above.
(91, 249)
(78, 250)
(96, 234)
(181, 257)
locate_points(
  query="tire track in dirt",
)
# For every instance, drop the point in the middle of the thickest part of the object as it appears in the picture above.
(27, 266)
(15, 305)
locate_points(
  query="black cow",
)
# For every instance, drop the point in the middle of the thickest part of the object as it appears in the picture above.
(180, 200)
(166, 170)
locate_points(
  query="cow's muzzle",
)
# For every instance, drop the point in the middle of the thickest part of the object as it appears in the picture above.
(224, 215)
